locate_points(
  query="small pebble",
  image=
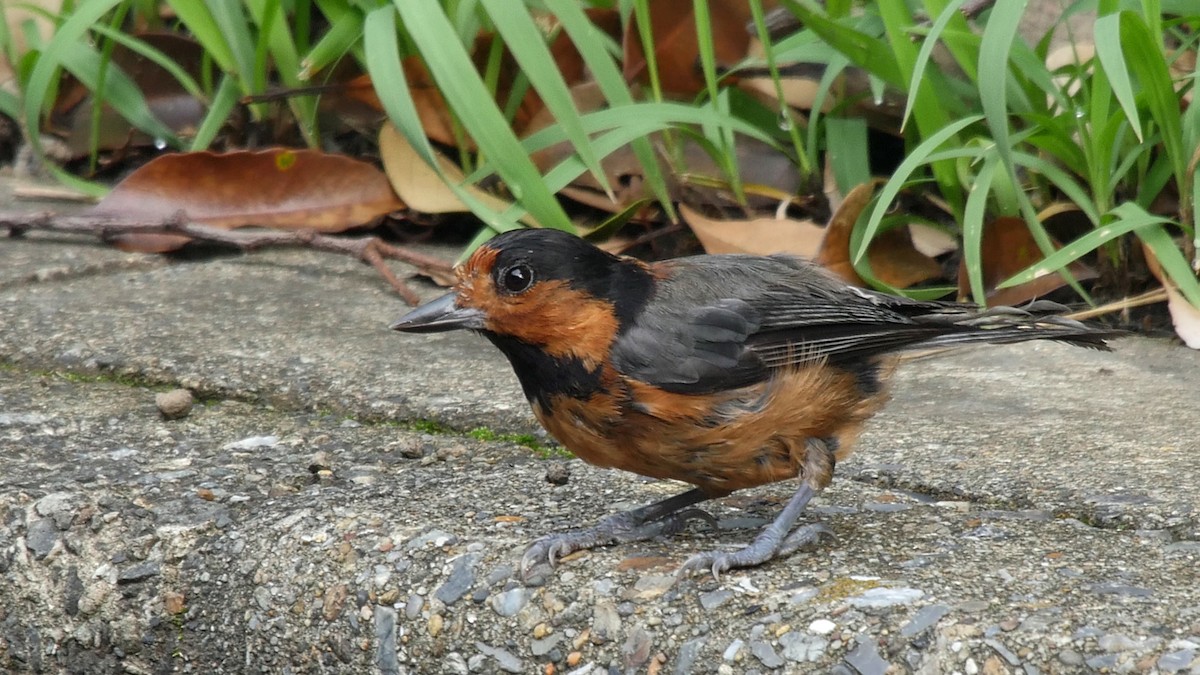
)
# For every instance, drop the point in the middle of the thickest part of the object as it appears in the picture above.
(321, 461)
(714, 599)
(1070, 657)
(766, 654)
(174, 404)
(886, 597)
(822, 627)
(511, 601)
(558, 473)
(865, 657)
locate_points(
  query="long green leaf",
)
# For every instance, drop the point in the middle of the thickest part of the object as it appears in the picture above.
(1129, 218)
(900, 176)
(865, 51)
(223, 102)
(465, 93)
(528, 47)
(974, 222)
(998, 37)
(591, 45)
(382, 56)
(201, 24)
(234, 30)
(948, 13)
(1112, 58)
(44, 74)
(1154, 78)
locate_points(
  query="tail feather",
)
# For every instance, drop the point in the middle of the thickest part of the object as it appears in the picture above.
(1039, 320)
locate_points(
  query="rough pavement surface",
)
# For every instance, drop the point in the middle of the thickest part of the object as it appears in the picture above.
(1027, 509)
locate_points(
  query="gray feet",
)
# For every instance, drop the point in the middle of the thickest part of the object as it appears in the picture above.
(763, 549)
(774, 541)
(662, 518)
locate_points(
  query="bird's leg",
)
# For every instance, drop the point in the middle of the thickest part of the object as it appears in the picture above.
(662, 517)
(771, 542)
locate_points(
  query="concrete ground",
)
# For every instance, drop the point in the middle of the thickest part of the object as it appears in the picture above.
(1022, 509)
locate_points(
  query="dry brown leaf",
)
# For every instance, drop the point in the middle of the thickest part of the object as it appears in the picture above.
(930, 240)
(893, 258)
(420, 186)
(281, 188)
(760, 236)
(1184, 315)
(1008, 248)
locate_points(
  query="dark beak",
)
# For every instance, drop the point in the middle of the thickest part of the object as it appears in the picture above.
(440, 315)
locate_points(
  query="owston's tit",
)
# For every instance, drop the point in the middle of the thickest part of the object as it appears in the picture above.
(723, 371)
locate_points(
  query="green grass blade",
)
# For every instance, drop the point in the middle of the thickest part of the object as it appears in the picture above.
(591, 44)
(1063, 181)
(1129, 218)
(528, 46)
(919, 156)
(974, 222)
(345, 28)
(465, 92)
(848, 152)
(219, 110)
(200, 22)
(1112, 58)
(994, 48)
(234, 30)
(931, 40)
(381, 51)
(1158, 90)
(865, 51)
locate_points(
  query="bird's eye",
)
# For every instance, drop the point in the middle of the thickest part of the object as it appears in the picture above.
(516, 279)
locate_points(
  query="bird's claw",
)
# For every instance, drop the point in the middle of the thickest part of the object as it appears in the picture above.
(757, 553)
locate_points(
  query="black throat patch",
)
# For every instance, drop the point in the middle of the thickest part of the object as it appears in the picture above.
(543, 376)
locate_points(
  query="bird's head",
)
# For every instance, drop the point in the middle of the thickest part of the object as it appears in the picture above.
(542, 287)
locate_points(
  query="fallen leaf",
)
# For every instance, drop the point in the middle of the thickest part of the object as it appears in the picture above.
(1007, 247)
(760, 236)
(893, 258)
(280, 188)
(1184, 315)
(421, 187)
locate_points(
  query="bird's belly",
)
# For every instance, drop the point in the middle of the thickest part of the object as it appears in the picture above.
(720, 442)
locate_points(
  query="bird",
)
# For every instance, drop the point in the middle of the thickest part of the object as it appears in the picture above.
(725, 371)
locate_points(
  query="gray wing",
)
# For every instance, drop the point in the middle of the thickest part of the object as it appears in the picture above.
(722, 322)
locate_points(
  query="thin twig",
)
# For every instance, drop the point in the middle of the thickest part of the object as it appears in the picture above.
(370, 250)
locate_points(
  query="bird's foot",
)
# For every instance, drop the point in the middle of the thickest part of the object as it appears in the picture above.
(765, 547)
(662, 519)
(617, 529)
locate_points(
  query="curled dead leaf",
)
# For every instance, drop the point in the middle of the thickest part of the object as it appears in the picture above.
(893, 257)
(1008, 247)
(1184, 315)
